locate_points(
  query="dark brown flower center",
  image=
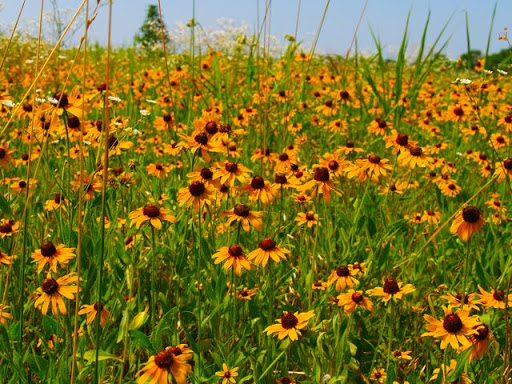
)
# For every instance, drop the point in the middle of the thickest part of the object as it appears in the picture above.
(482, 332)
(471, 214)
(498, 295)
(159, 167)
(458, 111)
(333, 165)
(458, 297)
(196, 188)
(57, 198)
(402, 139)
(343, 271)
(329, 103)
(22, 184)
(267, 244)
(98, 307)
(289, 320)
(206, 174)
(50, 286)
(257, 182)
(167, 117)
(397, 353)
(27, 107)
(62, 99)
(344, 95)
(374, 159)
(231, 167)
(235, 250)
(283, 157)
(452, 323)
(5, 228)
(201, 138)
(500, 139)
(102, 87)
(227, 374)
(416, 151)
(151, 211)
(321, 174)
(48, 249)
(73, 122)
(2, 153)
(357, 297)
(112, 142)
(350, 144)
(391, 286)
(507, 164)
(281, 179)
(164, 359)
(381, 123)
(241, 210)
(310, 216)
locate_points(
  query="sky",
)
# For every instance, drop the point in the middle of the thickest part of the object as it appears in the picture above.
(386, 18)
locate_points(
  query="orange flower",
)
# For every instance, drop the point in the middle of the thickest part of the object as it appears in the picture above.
(468, 221)
(151, 213)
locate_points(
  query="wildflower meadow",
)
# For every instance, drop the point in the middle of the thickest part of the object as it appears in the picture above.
(229, 213)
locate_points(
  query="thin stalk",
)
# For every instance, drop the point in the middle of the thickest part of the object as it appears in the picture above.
(105, 129)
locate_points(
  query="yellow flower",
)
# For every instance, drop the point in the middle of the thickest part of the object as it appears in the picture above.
(234, 257)
(290, 325)
(392, 289)
(267, 249)
(172, 360)
(152, 213)
(92, 311)
(352, 300)
(52, 291)
(51, 255)
(453, 329)
(227, 374)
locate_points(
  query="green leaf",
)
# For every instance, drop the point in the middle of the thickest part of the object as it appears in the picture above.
(90, 356)
(140, 339)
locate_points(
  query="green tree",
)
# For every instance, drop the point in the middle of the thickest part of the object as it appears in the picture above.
(150, 33)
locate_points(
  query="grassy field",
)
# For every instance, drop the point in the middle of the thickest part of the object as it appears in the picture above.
(243, 217)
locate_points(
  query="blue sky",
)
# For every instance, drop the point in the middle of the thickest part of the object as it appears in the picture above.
(386, 18)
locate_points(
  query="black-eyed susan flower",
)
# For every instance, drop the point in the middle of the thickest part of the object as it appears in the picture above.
(351, 300)
(229, 172)
(455, 301)
(52, 291)
(234, 257)
(454, 329)
(320, 184)
(378, 375)
(414, 157)
(260, 189)
(172, 360)
(402, 355)
(319, 285)
(308, 219)
(468, 221)
(51, 255)
(497, 298)
(479, 341)
(152, 213)
(158, 170)
(8, 227)
(267, 249)
(196, 195)
(227, 375)
(58, 202)
(246, 293)
(242, 214)
(343, 277)
(92, 311)
(391, 289)
(5, 155)
(290, 325)
(504, 169)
